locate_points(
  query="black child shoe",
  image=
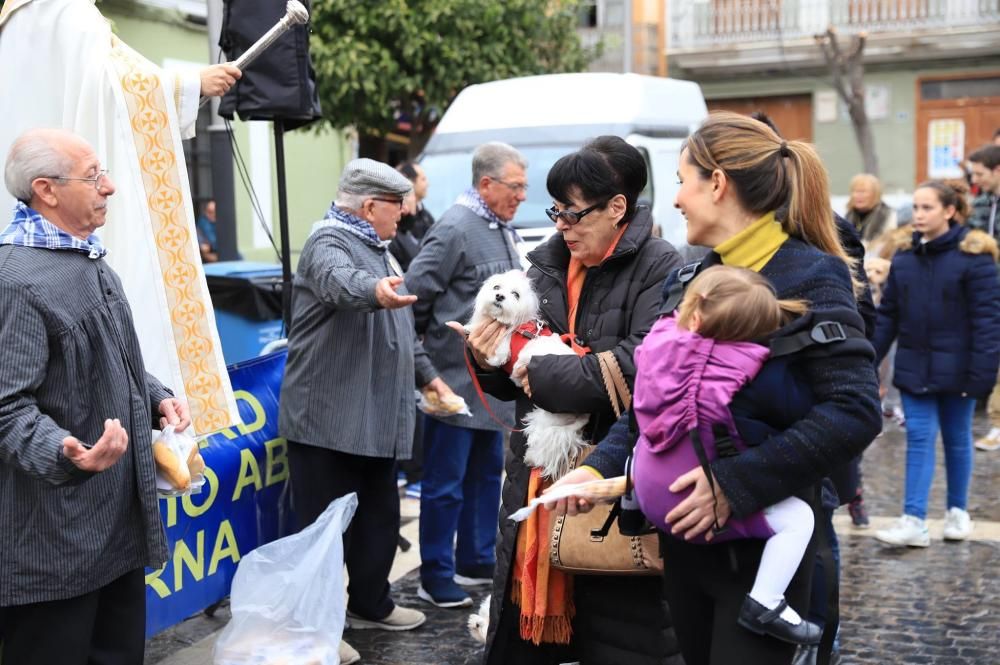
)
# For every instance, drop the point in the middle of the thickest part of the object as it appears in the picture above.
(757, 618)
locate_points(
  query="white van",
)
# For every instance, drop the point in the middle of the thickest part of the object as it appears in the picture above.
(546, 117)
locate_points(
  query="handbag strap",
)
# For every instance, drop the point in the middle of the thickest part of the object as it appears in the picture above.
(614, 382)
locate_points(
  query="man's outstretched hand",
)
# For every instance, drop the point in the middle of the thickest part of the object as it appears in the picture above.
(385, 293)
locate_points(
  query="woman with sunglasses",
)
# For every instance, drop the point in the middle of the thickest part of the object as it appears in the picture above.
(598, 279)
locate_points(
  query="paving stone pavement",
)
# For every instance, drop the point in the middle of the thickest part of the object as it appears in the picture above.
(938, 605)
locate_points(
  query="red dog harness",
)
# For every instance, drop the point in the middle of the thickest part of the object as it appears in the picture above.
(518, 339)
(521, 336)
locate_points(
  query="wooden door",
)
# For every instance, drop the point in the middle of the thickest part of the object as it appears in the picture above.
(943, 112)
(791, 113)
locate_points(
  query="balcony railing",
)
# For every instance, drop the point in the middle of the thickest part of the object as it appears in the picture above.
(700, 23)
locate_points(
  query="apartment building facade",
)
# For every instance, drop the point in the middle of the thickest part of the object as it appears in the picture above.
(932, 75)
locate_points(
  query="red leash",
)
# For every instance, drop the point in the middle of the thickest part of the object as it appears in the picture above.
(479, 388)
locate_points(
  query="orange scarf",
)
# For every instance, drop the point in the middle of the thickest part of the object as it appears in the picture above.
(545, 594)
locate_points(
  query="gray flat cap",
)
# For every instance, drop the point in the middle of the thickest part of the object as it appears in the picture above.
(367, 177)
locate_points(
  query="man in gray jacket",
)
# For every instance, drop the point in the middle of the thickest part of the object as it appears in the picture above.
(348, 393)
(78, 510)
(463, 457)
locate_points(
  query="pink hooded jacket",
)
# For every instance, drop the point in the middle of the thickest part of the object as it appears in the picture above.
(685, 382)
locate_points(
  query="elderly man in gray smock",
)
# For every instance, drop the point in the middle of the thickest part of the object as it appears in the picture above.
(79, 518)
(463, 457)
(347, 399)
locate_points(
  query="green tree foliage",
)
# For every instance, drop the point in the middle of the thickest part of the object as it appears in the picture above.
(377, 59)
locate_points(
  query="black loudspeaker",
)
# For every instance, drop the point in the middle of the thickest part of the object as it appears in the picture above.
(281, 83)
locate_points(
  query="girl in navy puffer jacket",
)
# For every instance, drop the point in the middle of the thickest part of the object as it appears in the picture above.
(942, 301)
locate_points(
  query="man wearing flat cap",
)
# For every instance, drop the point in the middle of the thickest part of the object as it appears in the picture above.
(348, 393)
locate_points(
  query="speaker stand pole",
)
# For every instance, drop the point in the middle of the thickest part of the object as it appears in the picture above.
(286, 249)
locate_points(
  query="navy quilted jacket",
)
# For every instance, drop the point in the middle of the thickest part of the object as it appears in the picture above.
(844, 418)
(942, 301)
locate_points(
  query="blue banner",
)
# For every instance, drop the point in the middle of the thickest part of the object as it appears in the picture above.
(244, 502)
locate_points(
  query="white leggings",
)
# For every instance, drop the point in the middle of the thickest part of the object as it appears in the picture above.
(792, 523)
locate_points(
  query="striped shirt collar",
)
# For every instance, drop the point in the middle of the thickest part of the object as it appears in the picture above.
(339, 218)
(471, 199)
(30, 229)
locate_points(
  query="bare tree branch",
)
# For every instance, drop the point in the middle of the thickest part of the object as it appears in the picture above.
(847, 74)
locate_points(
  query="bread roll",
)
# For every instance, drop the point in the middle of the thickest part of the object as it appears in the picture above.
(167, 464)
(449, 406)
(195, 462)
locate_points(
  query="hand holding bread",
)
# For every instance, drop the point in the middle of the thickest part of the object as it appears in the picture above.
(439, 400)
(179, 464)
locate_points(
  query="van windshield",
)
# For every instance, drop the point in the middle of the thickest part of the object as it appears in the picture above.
(449, 174)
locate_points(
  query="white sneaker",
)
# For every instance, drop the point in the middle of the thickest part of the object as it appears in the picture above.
(401, 618)
(957, 524)
(991, 441)
(909, 531)
(348, 654)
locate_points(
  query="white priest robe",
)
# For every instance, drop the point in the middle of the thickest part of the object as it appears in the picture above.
(63, 67)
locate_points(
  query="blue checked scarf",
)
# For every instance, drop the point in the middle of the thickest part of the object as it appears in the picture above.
(30, 229)
(341, 219)
(471, 199)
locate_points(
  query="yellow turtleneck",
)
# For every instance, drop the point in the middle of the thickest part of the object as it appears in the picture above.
(754, 246)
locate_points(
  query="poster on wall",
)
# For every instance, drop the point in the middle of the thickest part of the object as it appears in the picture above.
(945, 148)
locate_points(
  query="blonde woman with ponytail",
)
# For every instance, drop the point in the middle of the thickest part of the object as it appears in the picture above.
(690, 366)
(762, 203)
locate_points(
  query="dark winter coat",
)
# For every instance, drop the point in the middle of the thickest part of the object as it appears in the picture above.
(985, 214)
(874, 222)
(410, 233)
(619, 620)
(942, 301)
(851, 242)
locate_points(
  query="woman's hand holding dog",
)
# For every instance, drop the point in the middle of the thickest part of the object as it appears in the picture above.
(521, 374)
(482, 340)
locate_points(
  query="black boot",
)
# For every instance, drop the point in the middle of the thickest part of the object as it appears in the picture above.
(759, 619)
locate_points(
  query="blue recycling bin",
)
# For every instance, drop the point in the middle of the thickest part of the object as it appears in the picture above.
(246, 297)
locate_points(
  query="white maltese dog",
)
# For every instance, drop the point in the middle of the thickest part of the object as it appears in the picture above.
(553, 439)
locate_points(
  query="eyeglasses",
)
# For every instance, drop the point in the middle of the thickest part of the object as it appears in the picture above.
(515, 187)
(571, 217)
(398, 202)
(96, 180)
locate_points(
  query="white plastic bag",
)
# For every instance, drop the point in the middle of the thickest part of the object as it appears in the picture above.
(288, 598)
(172, 451)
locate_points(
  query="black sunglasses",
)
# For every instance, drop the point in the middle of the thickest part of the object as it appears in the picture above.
(571, 217)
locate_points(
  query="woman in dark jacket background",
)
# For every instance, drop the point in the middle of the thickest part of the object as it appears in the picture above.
(604, 266)
(942, 302)
(416, 219)
(735, 173)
